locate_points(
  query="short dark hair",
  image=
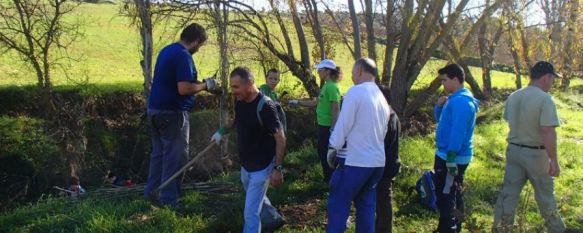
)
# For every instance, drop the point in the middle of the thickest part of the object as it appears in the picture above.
(243, 72)
(193, 32)
(272, 70)
(453, 71)
(368, 66)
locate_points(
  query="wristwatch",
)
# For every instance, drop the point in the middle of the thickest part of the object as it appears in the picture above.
(279, 168)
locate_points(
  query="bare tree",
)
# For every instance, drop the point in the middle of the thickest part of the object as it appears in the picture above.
(421, 35)
(312, 13)
(487, 46)
(220, 15)
(145, 26)
(569, 47)
(253, 27)
(355, 30)
(36, 30)
(554, 14)
(391, 38)
(519, 45)
(457, 49)
(332, 15)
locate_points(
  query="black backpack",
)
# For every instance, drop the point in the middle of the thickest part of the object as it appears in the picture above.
(280, 113)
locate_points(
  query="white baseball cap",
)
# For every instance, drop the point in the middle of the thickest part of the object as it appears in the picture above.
(326, 63)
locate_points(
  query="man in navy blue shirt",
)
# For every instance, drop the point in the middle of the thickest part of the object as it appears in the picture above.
(171, 98)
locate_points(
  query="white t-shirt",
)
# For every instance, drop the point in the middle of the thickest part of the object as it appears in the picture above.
(362, 124)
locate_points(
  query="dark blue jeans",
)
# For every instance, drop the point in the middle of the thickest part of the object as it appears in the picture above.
(170, 134)
(323, 141)
(350, 184)
(451, 206)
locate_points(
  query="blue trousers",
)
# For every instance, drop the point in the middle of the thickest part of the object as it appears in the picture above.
(170, 134)
(350, 184)
(451, 206)
(255, 185)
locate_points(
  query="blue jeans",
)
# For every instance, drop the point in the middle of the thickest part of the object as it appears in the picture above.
(255, 185)
(356, 184)
(451, 206)
(170, 134)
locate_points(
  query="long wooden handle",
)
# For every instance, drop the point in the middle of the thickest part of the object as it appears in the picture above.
(179, 172)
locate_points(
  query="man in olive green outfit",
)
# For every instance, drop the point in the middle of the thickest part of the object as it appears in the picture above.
(532, 150)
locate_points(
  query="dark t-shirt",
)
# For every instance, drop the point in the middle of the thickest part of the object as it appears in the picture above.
(174, 64)
(256, 143)
(392, 162)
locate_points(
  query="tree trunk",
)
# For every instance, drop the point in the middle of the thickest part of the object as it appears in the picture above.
(569, 45)
(145, 26)
(517, 67)
(312, 9)
(304, 50)
(390, 46)
(486, 60)
(370, 36)
(487, 49)
(222, 20)
(355, 30)
(416, 49)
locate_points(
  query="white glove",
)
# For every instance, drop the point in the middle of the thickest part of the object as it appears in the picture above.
(216, 138)
(211, 84)
(293, 102)
(331, 158)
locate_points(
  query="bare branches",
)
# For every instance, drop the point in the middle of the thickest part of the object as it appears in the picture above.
(34, 28)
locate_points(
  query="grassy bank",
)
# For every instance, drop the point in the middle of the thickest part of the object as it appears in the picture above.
(303, 196)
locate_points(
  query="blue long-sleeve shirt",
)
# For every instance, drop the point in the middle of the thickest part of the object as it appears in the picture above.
(456, 121)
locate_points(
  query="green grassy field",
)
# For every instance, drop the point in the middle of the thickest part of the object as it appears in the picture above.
(303, 197)
(109, 57)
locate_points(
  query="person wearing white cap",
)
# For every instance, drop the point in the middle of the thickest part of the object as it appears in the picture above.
(327, 108)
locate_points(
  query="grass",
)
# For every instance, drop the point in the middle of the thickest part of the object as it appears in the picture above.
(110, 64)
(303, 196)
(109, 58)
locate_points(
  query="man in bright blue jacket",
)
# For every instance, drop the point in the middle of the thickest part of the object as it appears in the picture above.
(456, 119)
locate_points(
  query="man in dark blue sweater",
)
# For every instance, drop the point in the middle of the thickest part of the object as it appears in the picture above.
(171, 98)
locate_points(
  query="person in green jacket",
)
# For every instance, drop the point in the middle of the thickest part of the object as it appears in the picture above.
(271, 81)
(327, 109)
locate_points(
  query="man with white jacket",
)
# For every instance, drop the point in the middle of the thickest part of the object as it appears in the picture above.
(359, 137)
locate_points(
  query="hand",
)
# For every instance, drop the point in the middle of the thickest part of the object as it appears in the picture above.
(276, 178)
(217, 136)
(331, 158)
(441, 101)
(293, 102)
(451, 164)
(211, 84)
(554, 168)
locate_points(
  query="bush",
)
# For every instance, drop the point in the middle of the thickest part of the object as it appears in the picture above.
(25, 152)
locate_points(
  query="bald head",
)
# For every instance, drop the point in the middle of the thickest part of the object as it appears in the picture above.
(364, 70)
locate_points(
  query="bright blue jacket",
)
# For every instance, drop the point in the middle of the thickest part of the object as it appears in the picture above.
(455, 126)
